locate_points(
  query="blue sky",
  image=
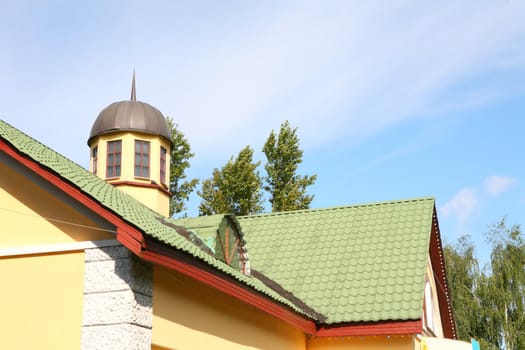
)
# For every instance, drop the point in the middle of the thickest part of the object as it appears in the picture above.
(391, 99)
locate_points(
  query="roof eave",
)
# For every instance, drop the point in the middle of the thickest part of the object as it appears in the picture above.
(438, 266)
(390, 327)
(135, 240)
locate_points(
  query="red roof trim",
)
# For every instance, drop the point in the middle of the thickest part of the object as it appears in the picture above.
(368, 328)
(127, 234)
(438, 266)
(281, 312)
(133, 239)
(240, 293)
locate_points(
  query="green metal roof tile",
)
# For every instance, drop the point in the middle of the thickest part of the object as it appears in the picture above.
(357, 263)
(354, 263)
(125, 206)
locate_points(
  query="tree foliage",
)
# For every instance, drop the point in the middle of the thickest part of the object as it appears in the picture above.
(235, 188)
(287, 189)
(504, 290)
(463, 275)
(489, 304)
(180, 155)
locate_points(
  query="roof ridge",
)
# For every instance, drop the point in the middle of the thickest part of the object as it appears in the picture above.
(340, 207)
(148, 221)
(40, 143)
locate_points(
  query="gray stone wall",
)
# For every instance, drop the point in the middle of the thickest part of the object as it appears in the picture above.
(117, 310)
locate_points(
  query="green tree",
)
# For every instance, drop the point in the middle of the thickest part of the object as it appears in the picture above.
(463, 276)
(179, 187)
(287, 189)
(235, 188)
(504, 289)
(489, 304)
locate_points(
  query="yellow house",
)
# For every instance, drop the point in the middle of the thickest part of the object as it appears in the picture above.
(90, 260)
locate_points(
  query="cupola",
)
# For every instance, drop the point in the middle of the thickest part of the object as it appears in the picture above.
(130, 148)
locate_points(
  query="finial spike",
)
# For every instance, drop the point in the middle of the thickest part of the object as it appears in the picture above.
(133, 90)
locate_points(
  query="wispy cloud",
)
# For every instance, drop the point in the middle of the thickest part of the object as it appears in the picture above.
(336, 69)
(462, 205)
(496, 185)
(467, 201)
(325, 70)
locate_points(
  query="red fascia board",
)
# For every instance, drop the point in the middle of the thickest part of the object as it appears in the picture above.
(248, 296)
(268, 306)
(438, 266)
(132, 238)
(126, 234)
(367, 329)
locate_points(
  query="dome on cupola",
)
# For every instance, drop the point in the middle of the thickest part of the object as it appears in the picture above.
(130, 148)
(130, 115)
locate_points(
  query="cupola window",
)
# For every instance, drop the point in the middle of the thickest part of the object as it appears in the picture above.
(142, 158)
(114, 158)
(94, 159)
(163, 152)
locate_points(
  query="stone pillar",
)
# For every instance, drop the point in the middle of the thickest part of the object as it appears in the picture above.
(117, 309)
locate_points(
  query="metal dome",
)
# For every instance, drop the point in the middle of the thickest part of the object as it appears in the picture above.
(130, 116)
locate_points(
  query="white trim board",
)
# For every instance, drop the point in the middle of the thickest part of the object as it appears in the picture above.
(57, 248)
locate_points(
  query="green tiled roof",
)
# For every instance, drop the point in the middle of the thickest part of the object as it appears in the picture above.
(125, 206)
(351, 264)
(359, 263)
(205, 227)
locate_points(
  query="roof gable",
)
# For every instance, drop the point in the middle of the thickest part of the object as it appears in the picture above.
(360, 263)
(355, 264)
(138, 218)
(222, 236)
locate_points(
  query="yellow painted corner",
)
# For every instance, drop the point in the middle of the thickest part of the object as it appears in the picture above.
(189, 315)
(394, 342)
(42, 296)
(30, 215)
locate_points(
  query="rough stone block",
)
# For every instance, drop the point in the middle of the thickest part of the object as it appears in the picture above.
(107, 253)
(116, 337)
(117, 307)
(109, 275)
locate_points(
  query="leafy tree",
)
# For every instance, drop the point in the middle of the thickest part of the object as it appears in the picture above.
(463, 276)
(504, 289)
(287, 189)
(235, 188)
(489, 305)
(180, 155)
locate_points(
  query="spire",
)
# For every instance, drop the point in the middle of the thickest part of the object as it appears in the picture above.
(133, 90)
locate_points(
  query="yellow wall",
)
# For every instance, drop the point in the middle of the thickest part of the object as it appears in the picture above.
(41, 301)
(190, 315)
(442, 343)
(152, 197)
(362, 343)
(25, 210)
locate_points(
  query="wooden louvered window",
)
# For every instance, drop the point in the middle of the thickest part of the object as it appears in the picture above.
(227, 246)
(142, 158)
(114, 158)
(163, 153)
(230, 247)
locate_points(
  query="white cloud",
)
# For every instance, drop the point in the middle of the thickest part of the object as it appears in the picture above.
(228, 75)
(496, 185)
(462, 206)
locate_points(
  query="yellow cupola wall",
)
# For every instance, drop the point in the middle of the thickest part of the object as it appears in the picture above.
(130, 147)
